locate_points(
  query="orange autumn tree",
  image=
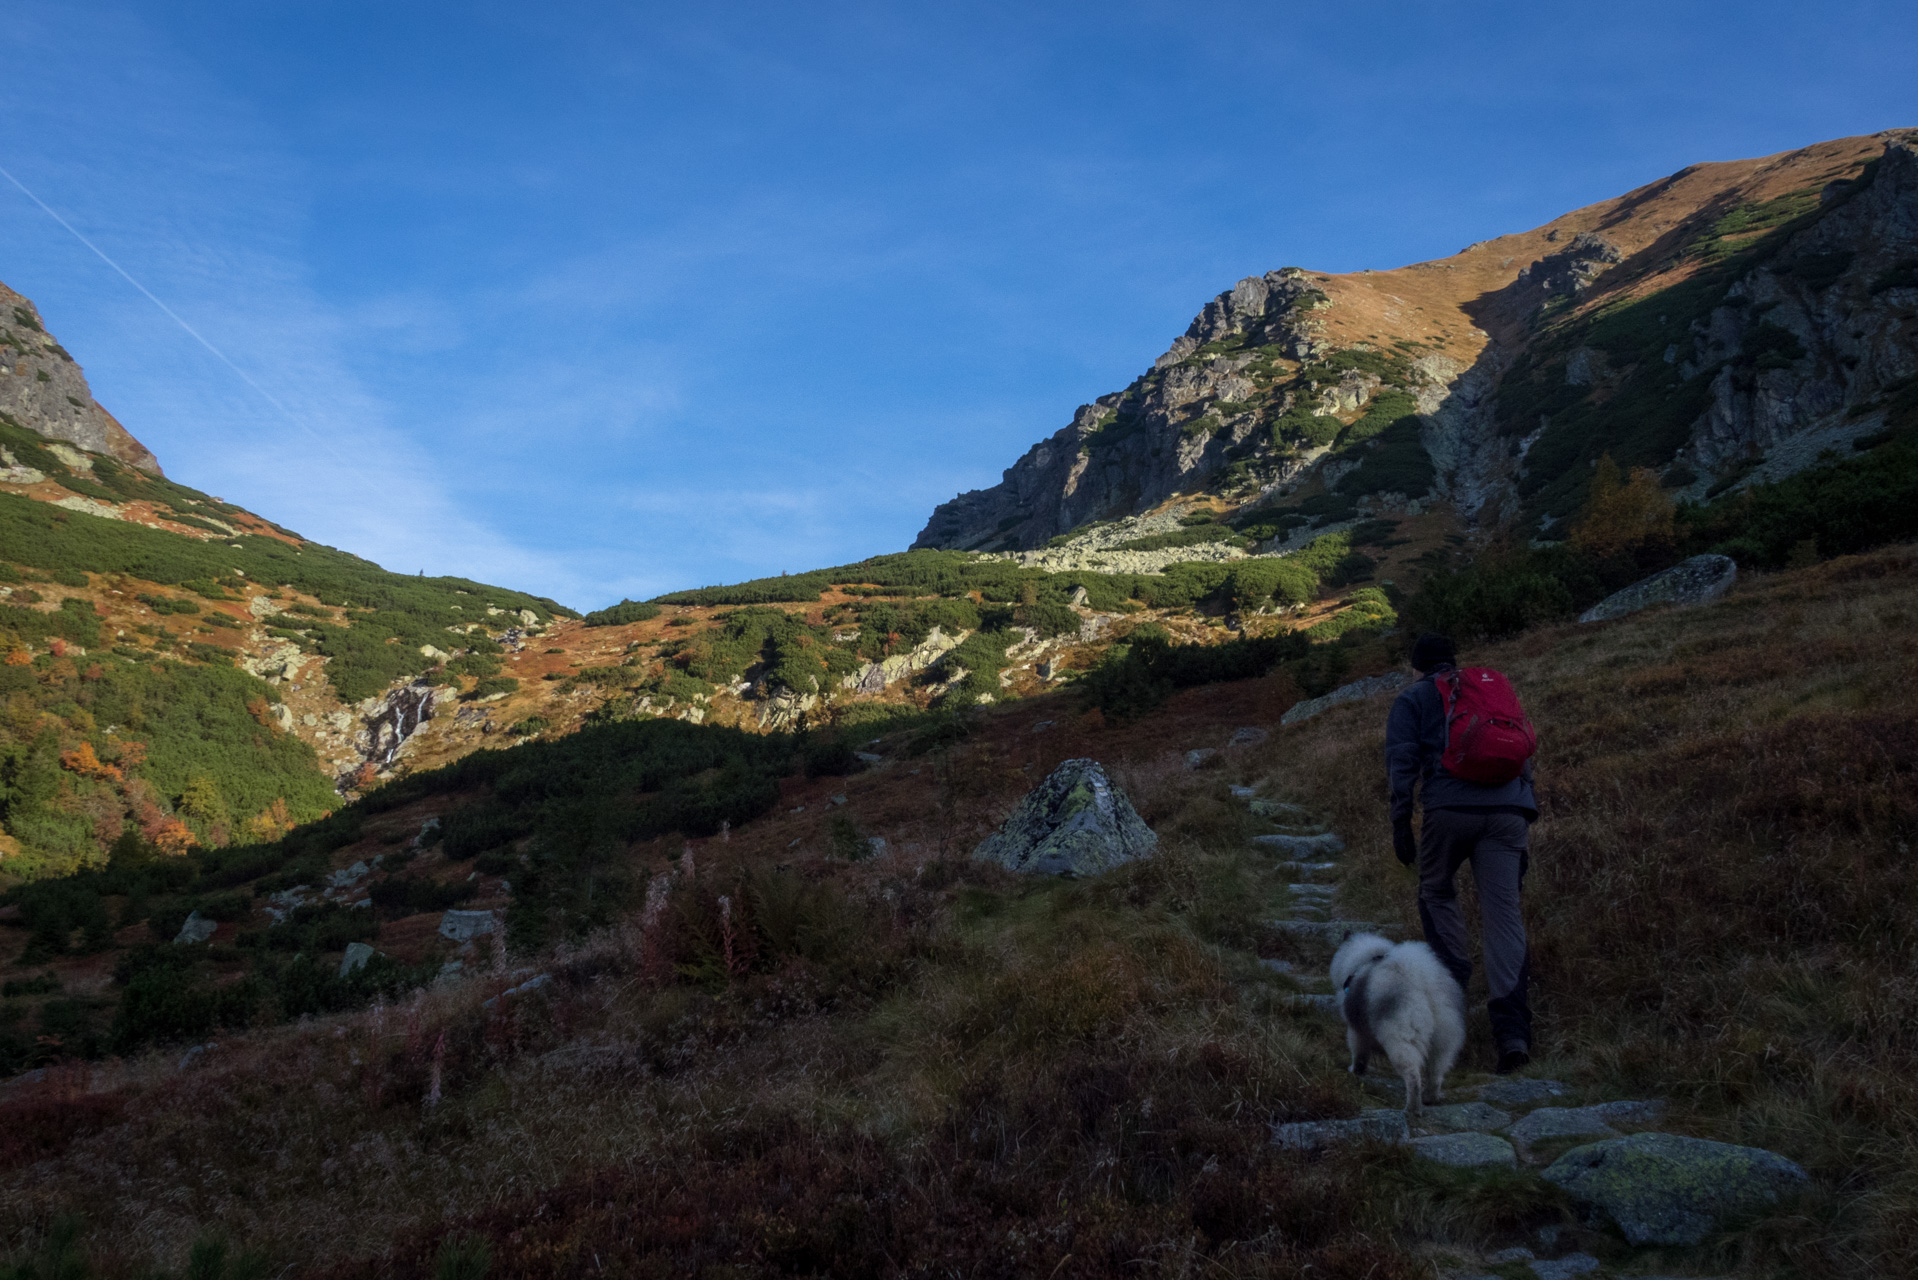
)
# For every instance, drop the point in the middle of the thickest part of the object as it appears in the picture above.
(173, 838)
(83, 761)
(270, 823)
(1628, 522)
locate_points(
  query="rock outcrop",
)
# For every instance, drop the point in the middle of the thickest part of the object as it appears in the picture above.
(1357, 691)
(1698, 580)
(43, 388)
(1077, 822)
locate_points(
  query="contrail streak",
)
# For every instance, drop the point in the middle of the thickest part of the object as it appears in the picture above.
(174, 316)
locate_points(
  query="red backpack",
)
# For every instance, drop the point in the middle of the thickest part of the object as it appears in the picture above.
(1487, 737)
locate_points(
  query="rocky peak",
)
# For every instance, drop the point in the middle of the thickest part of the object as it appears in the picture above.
(1491, 380)
(44, 389)
(1275, 307)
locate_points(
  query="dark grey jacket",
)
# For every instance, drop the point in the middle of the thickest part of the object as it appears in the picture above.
(1414, 742)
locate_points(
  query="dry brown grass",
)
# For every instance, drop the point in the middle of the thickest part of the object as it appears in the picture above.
(1721, 900)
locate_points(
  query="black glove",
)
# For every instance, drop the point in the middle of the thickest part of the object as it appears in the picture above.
(1404, 843)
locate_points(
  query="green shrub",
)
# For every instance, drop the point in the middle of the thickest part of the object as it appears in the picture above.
(399, 896)
(1500, 595)
(622, 613)
(318, 927)
(492, 685)
(1049, 618)
(168, 997)
(1841, 508)
(1136, 675)
(1195, 536)
(1388, 408)
(829, 757)
(1367, 609)
(1253, 582)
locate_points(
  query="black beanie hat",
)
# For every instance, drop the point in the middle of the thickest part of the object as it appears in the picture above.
(1431, 651)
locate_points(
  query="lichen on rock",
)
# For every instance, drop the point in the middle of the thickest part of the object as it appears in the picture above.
(1077, 822)
(1661, 1188)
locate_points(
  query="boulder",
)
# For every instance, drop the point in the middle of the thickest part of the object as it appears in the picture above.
(347, 876)
(1248, 736)
(1357, 691)
(1077, 822)
(196, 929)
(357, 954)
(1198, 757)
(1696, 581)
(464, 926)
(1661, 1188)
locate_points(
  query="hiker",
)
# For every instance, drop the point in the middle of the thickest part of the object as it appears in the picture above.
(1484, 822)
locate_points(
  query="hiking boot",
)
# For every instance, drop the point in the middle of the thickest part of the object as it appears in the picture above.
(1512, 1058)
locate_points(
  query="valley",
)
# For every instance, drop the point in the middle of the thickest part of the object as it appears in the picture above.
(368, 922)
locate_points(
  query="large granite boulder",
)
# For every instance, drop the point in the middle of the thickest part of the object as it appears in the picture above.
(464, 926)
(1077, 822)
(1357, 691)
(357, 954)
(1695, 581)
(196, 929)
(1661, 1188)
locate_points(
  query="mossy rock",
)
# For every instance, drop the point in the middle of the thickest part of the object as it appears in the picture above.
(1661, 1188)
(1077, 822)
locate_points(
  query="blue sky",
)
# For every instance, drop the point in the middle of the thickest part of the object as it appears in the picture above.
(602, 300)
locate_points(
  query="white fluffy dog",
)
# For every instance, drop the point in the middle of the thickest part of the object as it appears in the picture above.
(1398, 1000)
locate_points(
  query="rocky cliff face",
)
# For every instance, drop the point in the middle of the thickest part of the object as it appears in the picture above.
(43, 388)
(1727, 324)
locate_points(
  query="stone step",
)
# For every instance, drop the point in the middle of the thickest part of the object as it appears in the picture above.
(1385, 1124)
(1313, 890)
(1279, 809)
(1305, 868)
(1466, 1150)
(1302, 846)
(1516, 1091)
(1328, 932)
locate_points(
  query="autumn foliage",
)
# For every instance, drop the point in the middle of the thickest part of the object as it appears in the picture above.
(84, 761)
(1626, 519)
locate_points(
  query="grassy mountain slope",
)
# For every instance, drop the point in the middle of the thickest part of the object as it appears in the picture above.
(180, 667)
(803, 1057)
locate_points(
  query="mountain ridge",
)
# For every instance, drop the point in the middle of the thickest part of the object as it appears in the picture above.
(1251, 398)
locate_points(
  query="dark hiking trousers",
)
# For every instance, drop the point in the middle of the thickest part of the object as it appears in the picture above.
(1495, 845)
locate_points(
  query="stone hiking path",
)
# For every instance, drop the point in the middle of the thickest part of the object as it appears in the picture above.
(1654, 1188)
